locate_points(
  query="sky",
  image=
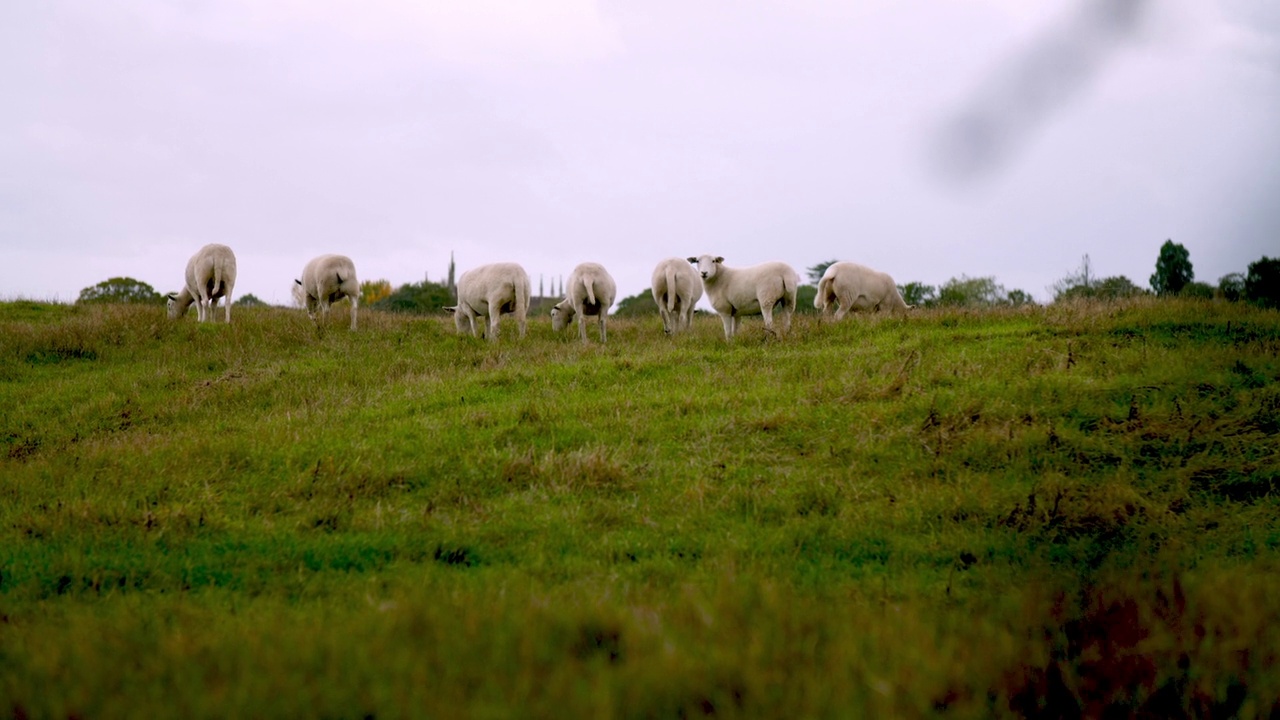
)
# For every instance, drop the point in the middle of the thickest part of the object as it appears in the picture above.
(929, 139)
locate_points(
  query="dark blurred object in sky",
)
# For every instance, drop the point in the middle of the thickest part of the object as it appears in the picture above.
(1014, 101)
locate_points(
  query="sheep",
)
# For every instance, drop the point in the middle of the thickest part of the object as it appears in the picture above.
(857, 287)
(676, 290)
(211, 274)
(492, 290)
(748, 291)
(591, 292)
(325, 280)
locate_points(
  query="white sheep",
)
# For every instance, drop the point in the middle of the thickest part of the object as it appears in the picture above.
(211, 274)
(676, 290)
(748, 291)
(491, 290)
(591, 292)
(857, 287)
(326, 280)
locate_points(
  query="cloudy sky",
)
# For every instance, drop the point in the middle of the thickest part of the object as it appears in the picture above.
(927, 138)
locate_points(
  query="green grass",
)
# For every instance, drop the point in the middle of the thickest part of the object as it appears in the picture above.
(957, 513)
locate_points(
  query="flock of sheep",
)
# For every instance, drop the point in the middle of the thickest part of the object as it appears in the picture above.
(490, 291)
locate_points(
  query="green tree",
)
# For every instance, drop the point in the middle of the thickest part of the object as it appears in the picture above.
(419, 298)
(1262, 283)
(1018, 298)
(1076, 284)
(1112, 288)
(1173, 269)
(815, 272)
(250, 300)
(918, 294)
(1194, 289)
(638, 305)
(965, 291)
(119, 290)
(1118, 286)
(804, 298)
(1231, 287)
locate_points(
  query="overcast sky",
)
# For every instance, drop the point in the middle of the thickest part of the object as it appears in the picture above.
(926, 138)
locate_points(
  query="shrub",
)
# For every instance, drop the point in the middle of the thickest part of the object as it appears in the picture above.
(420, 298)
(119, 290)
(1262, 284)
(1230, 287)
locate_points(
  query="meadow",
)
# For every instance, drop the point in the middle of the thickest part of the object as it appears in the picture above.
(1060, 511)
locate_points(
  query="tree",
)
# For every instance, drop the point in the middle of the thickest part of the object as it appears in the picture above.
(1173, 269)
(420, 298)
(1112, 288)
(1262, 283)
(965, 291)
(637, 305)
(815, 272)
(1202, 291)
(804, 299)
(119, 290)
(1075, 284)
(918, 294)
(250, 300)
(1117, 286)
(1018, 298)
(1231, 287)
(371, 291)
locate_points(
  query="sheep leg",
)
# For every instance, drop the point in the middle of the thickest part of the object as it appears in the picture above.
(604, 332)
(582, 326)
(766, 309)
(355, 302)
(730, 325)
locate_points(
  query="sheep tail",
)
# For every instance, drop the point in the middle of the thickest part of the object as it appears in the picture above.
(589, 284)
(521, 286)
(789, 294)
(217, 277)
(671, 290)
(824, 287)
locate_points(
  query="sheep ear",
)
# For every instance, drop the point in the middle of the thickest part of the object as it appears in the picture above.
(296, 281)
(172, 296)
(693, 260)
(451, 310)
(719, 259)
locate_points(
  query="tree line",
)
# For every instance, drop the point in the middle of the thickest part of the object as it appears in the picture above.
(1174, 276)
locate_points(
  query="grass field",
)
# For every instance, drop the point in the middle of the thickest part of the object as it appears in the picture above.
(1054, 511)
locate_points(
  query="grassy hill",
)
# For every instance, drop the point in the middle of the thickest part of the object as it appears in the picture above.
(1041, 512)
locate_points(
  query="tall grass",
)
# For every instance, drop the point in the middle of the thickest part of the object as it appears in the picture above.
(1032, 512)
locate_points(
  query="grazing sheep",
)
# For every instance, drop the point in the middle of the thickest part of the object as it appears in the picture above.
(748, 291)
(211, 274)
(491, 290)
(857, 287)
(676, 290)
(591, 292)
(326, 280)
